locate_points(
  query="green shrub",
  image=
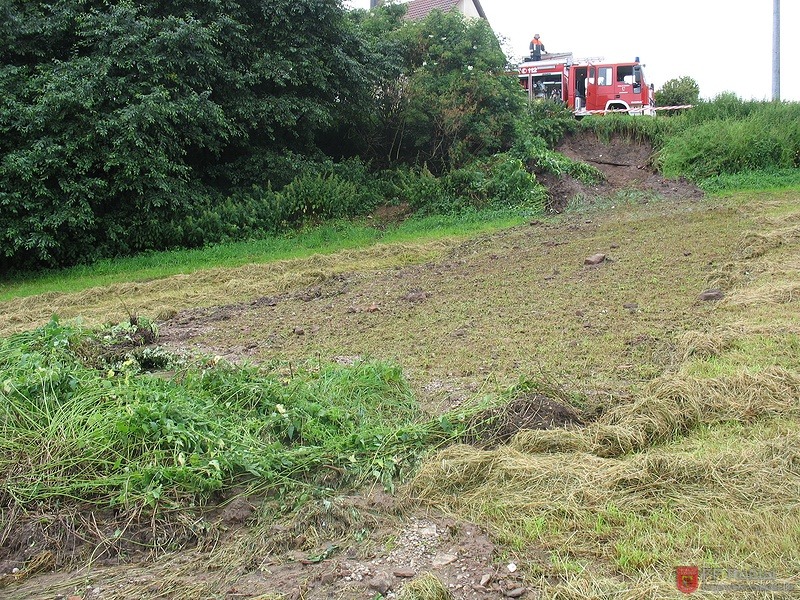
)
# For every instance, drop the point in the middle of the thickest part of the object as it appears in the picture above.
(677, 92)
(313, 197)
(548, 120)
(500, 181)
(768, 137)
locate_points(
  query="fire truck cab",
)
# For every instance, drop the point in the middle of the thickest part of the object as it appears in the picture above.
(589, 86)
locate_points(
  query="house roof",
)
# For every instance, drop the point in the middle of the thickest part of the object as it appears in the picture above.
(419, 9)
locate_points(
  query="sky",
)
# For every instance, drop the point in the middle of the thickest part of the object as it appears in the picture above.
(724, 45)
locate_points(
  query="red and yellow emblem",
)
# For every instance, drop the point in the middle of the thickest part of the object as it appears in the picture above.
(687, 579)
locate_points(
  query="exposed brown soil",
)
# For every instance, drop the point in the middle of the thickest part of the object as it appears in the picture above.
(626, 166)
(369, 545)
(493, 427)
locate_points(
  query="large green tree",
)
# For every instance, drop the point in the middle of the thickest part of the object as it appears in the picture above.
(442, 93)
(119, 117)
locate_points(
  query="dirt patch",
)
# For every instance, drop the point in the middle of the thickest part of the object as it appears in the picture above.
(495, 426)
(350, 547)
(627, 167)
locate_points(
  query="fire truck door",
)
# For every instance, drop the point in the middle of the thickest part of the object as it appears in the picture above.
(579, 91)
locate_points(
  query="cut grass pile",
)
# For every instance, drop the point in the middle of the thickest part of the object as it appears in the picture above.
(700, 467)
(207, 287)
(325, 239)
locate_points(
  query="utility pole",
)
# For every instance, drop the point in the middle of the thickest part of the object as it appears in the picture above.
(776, 51)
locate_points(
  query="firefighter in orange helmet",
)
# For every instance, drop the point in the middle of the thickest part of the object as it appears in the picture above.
(537, 47)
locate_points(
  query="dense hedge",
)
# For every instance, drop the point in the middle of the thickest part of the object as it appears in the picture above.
(117, 118)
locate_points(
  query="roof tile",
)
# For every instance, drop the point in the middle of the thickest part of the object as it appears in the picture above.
(419, 9)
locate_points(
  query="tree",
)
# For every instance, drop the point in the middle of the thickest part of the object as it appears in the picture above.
(118, 118)
(441, 93)
(678, 92)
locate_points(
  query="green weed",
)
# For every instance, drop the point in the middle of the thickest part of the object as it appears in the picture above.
(118, 436)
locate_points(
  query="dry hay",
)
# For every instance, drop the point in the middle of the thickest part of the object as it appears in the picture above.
(699, 344)
(425, 587)
(585, 587)
(210, 287)
(634, 458)
(317, 523)
(496, 425)
(725, 276)
(756, 244)
(770, 294)
(673, 406)
(741, 508)
(314, 532)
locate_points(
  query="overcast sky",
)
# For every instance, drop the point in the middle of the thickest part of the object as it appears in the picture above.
(724, 45)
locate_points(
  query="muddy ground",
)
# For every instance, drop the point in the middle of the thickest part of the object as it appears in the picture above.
(373, 544)
(626, 166)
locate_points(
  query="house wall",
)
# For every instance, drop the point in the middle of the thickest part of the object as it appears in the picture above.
(467, 7)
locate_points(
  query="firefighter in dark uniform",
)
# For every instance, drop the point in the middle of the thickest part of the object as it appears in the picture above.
(537, 47)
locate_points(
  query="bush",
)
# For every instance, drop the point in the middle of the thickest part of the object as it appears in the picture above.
(678, 92)
(548, 120)
(767, 137)
(500, 181)
(117, 118)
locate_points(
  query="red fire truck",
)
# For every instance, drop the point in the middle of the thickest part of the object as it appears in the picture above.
(589, 86)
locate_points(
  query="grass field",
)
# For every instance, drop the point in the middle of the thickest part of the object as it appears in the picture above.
(687, 450)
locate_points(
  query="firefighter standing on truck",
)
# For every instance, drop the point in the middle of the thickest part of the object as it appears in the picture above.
(537, 47)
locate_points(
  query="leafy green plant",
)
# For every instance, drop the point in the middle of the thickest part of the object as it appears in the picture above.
(73, 429)
(548, 120)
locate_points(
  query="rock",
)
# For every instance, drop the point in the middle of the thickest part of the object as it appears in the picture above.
(712, 294)
(381, 583)
(440, 560)
(516, 592)
(328, 578)
(404, 572)
(237, 510)
(614, 246)
(373, 308)
(485, 579)
(631, 306)
(511, 567)
(299, 331)
(595, 259)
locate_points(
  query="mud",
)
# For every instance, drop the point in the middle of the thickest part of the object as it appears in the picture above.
(627, 167)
